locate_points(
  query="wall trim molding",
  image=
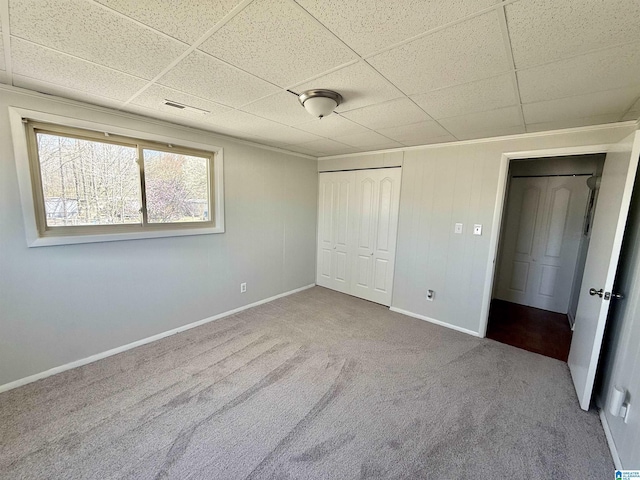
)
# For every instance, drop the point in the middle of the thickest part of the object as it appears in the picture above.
(434, 321)
(518, 136)
(114, 351)
(610, 442)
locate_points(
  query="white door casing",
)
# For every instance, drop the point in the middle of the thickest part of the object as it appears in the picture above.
(602, 259)
(543, 231)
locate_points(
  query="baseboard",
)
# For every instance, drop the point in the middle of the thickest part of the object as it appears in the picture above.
(612, 445)
(433, 320)
(114, 351)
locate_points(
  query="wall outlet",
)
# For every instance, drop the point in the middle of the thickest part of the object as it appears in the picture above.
(458, 228)
(477, 229)
(431, 295)
(243, 288)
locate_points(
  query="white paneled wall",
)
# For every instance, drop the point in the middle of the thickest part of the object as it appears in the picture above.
(448, 184)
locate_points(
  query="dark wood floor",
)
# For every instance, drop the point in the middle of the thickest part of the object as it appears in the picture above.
(532, 329)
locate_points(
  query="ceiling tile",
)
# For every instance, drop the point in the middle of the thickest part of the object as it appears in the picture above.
(604, 70)
(299, 149)
(283, 107)
(368, 139)
(63, 92)
(415, 133)
(370, 25)
(590, 105)
(154, 97)
(501, 118)
(204, 76)
(89, 31)
(429, 141)
(326, 146)
(573, 122)
(389, 114)
(462, 53)
(487, 94)
(546, 30)
(632, 115)
(360, 85)
(186, 20)
(492, 132)
(331, 126)
(278, 41)
(250, 124)
(636, 106)
(47, 65)
(4, 78)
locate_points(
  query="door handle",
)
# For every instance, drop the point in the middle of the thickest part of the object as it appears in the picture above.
(593, 292)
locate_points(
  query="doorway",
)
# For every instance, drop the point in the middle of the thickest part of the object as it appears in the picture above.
(542, 251)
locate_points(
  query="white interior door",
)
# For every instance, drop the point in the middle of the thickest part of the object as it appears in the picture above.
(377, 202)
(336, 190)
(543, 231)
(602, 260)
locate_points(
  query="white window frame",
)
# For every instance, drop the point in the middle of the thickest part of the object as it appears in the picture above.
(37, 236)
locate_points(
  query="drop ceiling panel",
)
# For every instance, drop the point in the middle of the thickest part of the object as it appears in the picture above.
(4, 78)
(89, 31)
(574, 122)
(325, 146)
(251, 124)
(492, 132)
(204, 76)
(632, 115)
(547, 30)
(590, 105)
(185, 20)
(371, 139)
(40, 63)
(331, 126)
(389, 114)
(283, 107)
(278, 41)
(154, 97)
(603, 70)
(64, 92)
(462, 53)
(494, 120)
(479, 96)
(359, 84)
(370, 25)
(415, 133)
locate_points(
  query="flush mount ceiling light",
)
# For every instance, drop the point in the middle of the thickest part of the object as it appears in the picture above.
(320, 103)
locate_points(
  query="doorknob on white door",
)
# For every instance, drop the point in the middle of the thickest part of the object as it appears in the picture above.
(593, 292)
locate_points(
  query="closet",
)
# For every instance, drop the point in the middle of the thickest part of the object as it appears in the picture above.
(357, 227)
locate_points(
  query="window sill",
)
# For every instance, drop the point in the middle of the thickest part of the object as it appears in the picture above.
(49, 241)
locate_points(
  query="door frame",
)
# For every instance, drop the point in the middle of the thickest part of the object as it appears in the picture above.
(499, 210)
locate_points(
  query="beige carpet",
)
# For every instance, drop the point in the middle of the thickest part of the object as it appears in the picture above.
(318, 385)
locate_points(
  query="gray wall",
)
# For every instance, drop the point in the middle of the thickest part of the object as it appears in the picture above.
(64, 303)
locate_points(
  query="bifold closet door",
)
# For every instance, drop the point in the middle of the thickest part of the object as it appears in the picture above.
(336, 193)
(377, 201)
(357, 227)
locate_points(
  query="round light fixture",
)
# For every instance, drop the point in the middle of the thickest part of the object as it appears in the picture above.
(320, 103)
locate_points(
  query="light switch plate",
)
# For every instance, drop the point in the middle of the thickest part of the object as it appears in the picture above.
(457, 228)
(477, 229)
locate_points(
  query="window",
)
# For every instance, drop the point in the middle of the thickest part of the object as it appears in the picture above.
(89, 186)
